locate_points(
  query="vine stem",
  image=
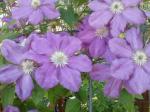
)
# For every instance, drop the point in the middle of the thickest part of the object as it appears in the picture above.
(90, 96)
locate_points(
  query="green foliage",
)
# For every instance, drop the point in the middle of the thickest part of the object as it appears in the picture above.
(7, 95)
(55, 93)
(69, 16)
(82, 95)
(2, 5)
(38, 94)
(73, 105)
(127, 101)
(8, 35)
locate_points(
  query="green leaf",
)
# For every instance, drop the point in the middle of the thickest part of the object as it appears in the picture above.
(8, 95)
(79, 2)
(73, 105)
(22, 106)
(82, 94)
(8, 35)
(140, 97)
(2, 5)
(55, 93)
(69, 16)
(2, 61)
(38, 94)
(127, 100)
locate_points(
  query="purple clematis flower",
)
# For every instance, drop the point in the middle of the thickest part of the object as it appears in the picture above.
(130, 68)
(10, 108)
(62, 64)
(35, 10)
(132, 64)
(117, 13)
(21, 66)
(95, 40)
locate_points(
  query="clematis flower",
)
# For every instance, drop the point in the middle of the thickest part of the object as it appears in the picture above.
(95, 40)
(11, 108)
(20, 69)
(35, 11)
(132, 64)
(63, 65)
(130, 68)
(117, 13)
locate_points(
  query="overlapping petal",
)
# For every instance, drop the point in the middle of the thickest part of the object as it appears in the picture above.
(100, 18)
(70, 79)
(24, 87)
(129, 3)
(134, 15)
(21, 12)
(46, 76)
(9, 74)
(41, 46)
(113, 88)
(50, 12)
(100, 72)
(36, 17)
(97, 47)
(140, 81)
(122, 69)
(86, 36)
(120, 47)
(70, 45)
(81, 63)
(98, 6)
(134, 39)
(118, 25)
(12, 51)
(24, 2)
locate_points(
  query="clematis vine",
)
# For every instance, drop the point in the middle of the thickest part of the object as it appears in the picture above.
(116, 13)
(35, 11)
(21, 67)
(62, 64)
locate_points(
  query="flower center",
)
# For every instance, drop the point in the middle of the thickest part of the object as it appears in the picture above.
(59, 59)
(117, 7)
(102, 32)
(122, 35)
(28, 66)
(35, 3)
(140, 58)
